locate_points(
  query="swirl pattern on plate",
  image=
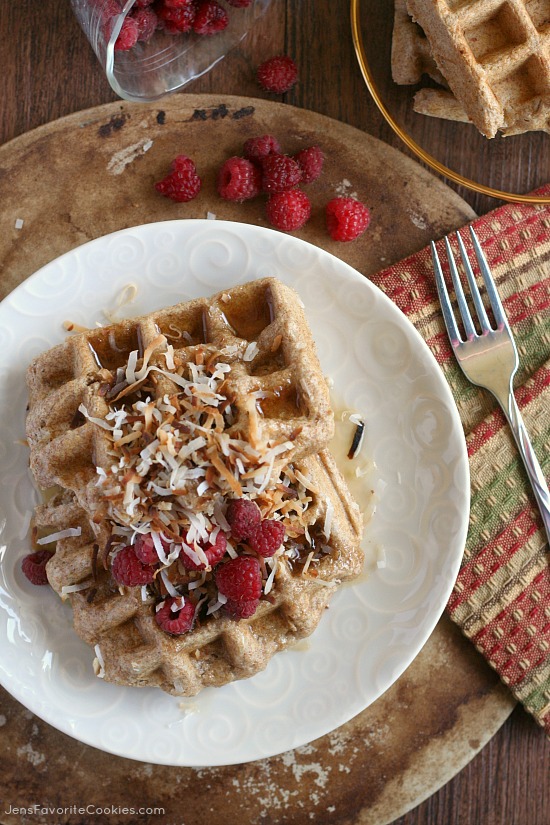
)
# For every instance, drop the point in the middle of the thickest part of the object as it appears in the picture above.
(380, 367)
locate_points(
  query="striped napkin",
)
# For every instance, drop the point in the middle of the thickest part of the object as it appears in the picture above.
(501, 599)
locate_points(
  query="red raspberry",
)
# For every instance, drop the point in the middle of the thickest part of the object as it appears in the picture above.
(241, 610)
(34, 566)
(147, 22)
(177, 621)
(260, 147)
(310, 162)
(244, 517)
(142, 4)
(182, 184)
(239, 4)
(239, 180)
(128, 35)
(278, 74)
(177, 4)
(127, 569)
(347, 218)
(210, 18)
(213, 552)
(144, 548)
(280, 173)
(288, 211)
(240, 579)
(268, 537)
(177, 19)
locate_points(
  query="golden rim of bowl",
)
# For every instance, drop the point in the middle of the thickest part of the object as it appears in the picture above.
(407, 139)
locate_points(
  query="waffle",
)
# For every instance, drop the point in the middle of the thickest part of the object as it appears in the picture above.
(495, 57)
(133, 650)
(410, 54)
(274, 390)
(439, 103)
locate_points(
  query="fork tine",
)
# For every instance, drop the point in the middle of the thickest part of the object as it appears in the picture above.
(461, 300)
(444, 300)
(494, 298)
(476, 297)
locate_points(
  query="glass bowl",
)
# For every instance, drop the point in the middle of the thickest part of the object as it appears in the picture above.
(165, 62)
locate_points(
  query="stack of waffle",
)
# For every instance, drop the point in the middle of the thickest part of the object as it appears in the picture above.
(152, 426)
(490, 57)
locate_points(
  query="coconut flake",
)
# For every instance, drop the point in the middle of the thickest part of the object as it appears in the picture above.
(168, 584)
(215, 606)
(99, 663)
(159, 549)
(99, 421)
(328, 518)
(381, 560)
(74, 588)
(198, 582)
(251, 351)
(270, 579)
(61, 534)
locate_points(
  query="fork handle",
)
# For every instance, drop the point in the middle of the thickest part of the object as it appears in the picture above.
(534, 471)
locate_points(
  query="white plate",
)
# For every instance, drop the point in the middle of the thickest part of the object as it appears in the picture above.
(373, 629)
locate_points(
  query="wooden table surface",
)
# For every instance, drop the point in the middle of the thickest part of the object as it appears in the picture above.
(49, 71)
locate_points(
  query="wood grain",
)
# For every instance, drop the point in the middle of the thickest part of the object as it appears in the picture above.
(49, 71)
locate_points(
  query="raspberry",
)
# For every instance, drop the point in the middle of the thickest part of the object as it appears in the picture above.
(127, 569)
(278, 74)
(142, 4)
(268, 538)
(34, 566)
(147, 22)
(177, 19)
(213, 552)
(241, 610)
(244, 517)
(128, 35)
(144, 549)
(182, 184)
(210, 18)
(260, 147)
(239, 180)
(280, 173)
(288, 211)
(240, 579)
(310, 162)
(239, 4)
(176, 621)
(347, 218)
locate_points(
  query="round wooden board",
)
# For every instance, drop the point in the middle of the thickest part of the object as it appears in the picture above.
(92, 173)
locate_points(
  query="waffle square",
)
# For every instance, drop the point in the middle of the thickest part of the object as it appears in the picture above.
(495, 56)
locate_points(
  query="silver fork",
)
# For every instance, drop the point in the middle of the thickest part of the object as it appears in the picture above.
(489, 360)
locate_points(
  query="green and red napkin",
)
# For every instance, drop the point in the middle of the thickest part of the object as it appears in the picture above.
(501, 599)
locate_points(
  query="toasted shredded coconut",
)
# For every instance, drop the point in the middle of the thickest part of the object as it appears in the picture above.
(173, 460)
